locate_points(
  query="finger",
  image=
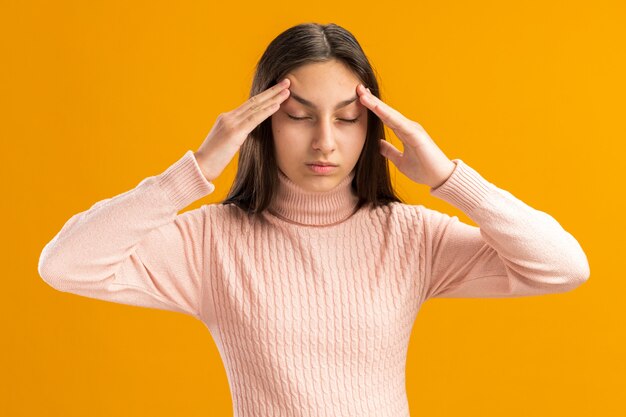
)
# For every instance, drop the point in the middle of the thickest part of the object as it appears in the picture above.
(260, 100)
(277, 98)
(390, 152)
(252, 118)
(252, 115)
(389, 116)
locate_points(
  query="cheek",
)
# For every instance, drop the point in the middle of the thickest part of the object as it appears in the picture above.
(276, 123)
(359, 141)
(284, 145)
(357, 147)
(282, 133)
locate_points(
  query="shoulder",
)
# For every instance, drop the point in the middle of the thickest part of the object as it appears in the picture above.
(224, 212)
(219, 209)
(227, 216)
(396, 214)
(412, 216)
(397, 209)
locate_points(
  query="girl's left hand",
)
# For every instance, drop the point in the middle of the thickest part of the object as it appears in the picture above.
(421, 159)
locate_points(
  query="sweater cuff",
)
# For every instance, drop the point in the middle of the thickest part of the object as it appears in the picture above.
(465, 188)
(184, 182)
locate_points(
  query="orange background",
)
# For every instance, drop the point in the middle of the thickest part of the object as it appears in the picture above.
(97, 96)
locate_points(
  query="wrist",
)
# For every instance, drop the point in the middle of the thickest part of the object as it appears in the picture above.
(200, 160)
(447, 174)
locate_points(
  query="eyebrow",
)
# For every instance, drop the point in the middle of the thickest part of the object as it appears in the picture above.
(308, 103)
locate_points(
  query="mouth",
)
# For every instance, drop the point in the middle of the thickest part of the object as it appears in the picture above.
(323, 164)
(322, 169)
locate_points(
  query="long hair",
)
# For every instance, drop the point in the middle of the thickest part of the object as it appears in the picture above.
(257, 173)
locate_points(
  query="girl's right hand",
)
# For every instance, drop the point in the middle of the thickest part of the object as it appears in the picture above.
(232, 128)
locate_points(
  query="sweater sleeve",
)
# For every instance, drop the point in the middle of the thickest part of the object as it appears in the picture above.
(134, 248)
(515, 251)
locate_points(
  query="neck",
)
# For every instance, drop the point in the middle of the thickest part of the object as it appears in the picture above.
(319, 208)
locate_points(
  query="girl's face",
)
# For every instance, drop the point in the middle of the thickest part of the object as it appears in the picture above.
(324, 95)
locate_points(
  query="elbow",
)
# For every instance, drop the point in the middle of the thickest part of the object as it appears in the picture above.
(577, 277)
(569, 279)
(582, 270)
(53, 277)
(46, 274)
(44, 259)
(574, 272)
(583, 275)
(579, 266)
(43, 266)
(46, 269)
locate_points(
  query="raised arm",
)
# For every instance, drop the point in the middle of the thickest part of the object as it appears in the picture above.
(515, 251)
(134, 248)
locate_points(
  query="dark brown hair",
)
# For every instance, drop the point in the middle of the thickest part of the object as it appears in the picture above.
(257, 172)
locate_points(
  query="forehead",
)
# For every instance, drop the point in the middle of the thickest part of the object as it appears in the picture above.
(322, 75)
(328, 84)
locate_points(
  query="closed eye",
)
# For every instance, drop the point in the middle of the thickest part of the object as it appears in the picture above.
(304, 118)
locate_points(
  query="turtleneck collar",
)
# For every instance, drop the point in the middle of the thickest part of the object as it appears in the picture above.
(319, 208)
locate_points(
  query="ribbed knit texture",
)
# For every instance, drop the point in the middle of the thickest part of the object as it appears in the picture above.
(311, 305)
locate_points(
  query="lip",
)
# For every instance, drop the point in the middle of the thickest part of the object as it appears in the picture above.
(323, 164)
(322, 169)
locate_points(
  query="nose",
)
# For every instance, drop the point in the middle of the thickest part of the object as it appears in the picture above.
(324, 138)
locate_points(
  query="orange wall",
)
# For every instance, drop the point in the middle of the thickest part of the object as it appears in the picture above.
(97, 96)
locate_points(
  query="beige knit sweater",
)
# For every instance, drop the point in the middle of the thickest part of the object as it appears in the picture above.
(311, 305)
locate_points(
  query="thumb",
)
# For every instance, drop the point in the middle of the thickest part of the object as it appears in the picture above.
(390, 152)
